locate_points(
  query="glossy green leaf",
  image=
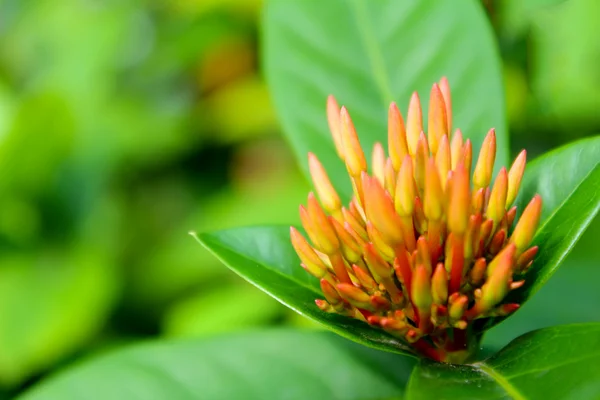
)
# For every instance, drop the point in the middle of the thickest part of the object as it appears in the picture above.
(279, 364)
(576, 280)
(265, 257)
(568, 179)
(368, 53)
(556, 174)
(554, 363)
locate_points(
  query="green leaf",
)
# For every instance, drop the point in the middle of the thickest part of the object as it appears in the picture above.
(568, 179)
(578, 301)
(265, 257)
(556, 174)
(368, 53)
(278, 364)
(554, 363)
(50, 306)
(569, 173)
(210, 312)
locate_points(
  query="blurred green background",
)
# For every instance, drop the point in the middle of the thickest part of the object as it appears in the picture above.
(125, 124)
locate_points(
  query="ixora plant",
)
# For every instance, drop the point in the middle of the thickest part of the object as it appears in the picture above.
(421, 252)
(413, 259)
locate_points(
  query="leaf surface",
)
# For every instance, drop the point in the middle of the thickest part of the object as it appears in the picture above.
(369, 53)
(277, 364)
(562, 362)
(265, 257)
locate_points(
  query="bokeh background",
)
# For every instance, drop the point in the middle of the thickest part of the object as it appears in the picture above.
(125, 124)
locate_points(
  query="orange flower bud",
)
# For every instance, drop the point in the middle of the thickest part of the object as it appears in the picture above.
(421, 157)
(423, 255)
(497, 204)
(324, 232)
(527, 225)
(458, 209)
(510, 215)
(324, 306)
(350, 248)
(477, 273)
(472, 236)
(354, 224)
(506, 256)
(308, 226)
(414, 123)
(499, 276)
(377, 265)
(467, 155)
(390, 177)
(421, 288)
(445, 88)
(365, 279)
(514, 177)
(353, 153)
(381, 212)
(442, 160)
(327, 194)
(437, 121)
(457, 306)
(333, 119)
(354, 296)
(375, 236)
(439, 285)
(526, 257)
(332, 296)
(398, 147)
(378, 161)
(485, 163)
(456, 148)
(405, 189)
(307, 254)
(432, 204)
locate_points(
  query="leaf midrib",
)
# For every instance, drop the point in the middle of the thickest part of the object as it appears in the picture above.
(500, 380)
(374, 53)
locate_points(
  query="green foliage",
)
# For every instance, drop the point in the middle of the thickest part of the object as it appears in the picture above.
(265, 257)
(261, 365)
(41, 287)
(575, 205)
(554, 363)
(577, 300)
(569, 181)
(295, 364)
(123, 125)
(369, 53)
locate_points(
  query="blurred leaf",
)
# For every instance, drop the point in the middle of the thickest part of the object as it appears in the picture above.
(262, 365)
(565, 41)
(264, 189)
(241, 111)
(37, 143)
(516, 16)
(265, 257)
(368, 53)
(554, 363)
(227, 308)
(50, 305)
